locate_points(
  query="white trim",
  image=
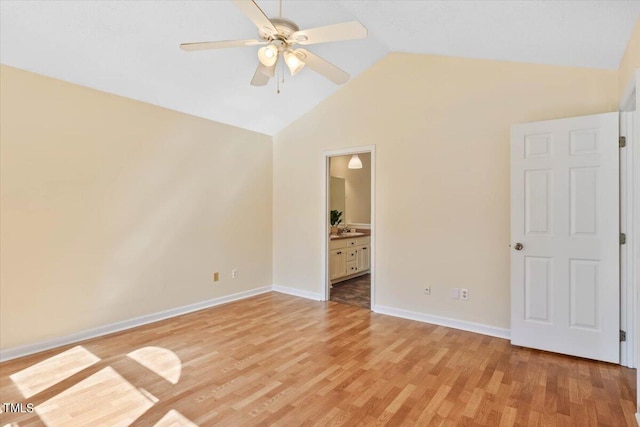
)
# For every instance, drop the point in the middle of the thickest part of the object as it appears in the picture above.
(635, 218)
(298, 292)
(638, 418)
(630, 101)
(627, 299)
(28, 349)
(325, 284)
(478, 328)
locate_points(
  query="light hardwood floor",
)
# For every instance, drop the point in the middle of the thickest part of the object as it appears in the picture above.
(275, 359)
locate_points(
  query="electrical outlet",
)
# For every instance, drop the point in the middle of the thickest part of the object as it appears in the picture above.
(234, 273)
(455, 293)
(216, 276)
(427, 290)
(464, 294)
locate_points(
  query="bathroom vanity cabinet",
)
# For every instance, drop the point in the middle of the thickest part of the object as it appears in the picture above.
(349, 257)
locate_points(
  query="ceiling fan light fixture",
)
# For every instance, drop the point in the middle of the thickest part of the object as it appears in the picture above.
(268, 55)
(293, 62)
(355, 162)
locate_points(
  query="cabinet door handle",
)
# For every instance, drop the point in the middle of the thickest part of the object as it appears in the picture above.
(339, 253)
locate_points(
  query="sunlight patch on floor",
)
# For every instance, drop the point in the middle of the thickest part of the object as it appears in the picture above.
(174, 418)
(159, 360)
(105, 398)
(49, 372)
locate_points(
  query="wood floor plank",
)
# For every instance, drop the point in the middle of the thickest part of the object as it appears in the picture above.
(280, 360)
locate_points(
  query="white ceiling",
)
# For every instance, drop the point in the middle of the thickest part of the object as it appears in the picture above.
(130, 48)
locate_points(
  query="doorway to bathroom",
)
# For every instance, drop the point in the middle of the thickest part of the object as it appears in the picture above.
(348, 227)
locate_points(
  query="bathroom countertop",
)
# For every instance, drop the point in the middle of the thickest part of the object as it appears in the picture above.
(366, 233)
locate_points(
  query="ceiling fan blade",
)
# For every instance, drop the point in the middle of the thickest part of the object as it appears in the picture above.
(256, 15)
(259, 78)
(219, 45)
(269, 71)
(322, 66)
(330, 33)
(263, 74)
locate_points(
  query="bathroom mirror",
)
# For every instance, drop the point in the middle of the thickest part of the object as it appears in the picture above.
(337, 196)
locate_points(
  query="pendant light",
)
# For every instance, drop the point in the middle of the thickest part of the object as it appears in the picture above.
(355, 162)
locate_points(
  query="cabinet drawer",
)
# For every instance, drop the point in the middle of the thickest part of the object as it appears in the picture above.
(351, 267)
(337, 244)
(363, 240)
(351, 242)
(351, 254)
(339, 251)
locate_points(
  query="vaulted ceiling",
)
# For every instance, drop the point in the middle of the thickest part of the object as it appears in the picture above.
(130, 48)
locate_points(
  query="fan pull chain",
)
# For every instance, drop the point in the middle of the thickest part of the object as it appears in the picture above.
(278, 80)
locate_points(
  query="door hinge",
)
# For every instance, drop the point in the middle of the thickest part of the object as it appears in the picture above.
(623, 335)
(622, 141)
(623, 239)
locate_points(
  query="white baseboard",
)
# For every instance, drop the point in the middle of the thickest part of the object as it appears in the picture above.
(638, 418)
(478, 328)
(26, 350)
(298, 292)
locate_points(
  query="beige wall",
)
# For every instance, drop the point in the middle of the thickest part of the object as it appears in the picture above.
(112, 208)
(441, 130)
(630, 61)
(357, 187)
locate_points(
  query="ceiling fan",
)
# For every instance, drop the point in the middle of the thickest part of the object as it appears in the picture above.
(279, 37)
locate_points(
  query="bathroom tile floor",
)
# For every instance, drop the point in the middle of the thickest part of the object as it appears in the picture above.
(356, 291)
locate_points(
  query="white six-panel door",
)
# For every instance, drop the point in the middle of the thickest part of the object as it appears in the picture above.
(565, 236)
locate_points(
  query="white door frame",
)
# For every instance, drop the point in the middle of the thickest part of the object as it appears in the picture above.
(325, 217)
(633, 211)
(630, 224)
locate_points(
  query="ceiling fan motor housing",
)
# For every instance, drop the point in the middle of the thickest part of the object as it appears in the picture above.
(285, 28)
(280, 44)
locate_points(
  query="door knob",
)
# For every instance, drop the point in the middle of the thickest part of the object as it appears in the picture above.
(518, 246)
